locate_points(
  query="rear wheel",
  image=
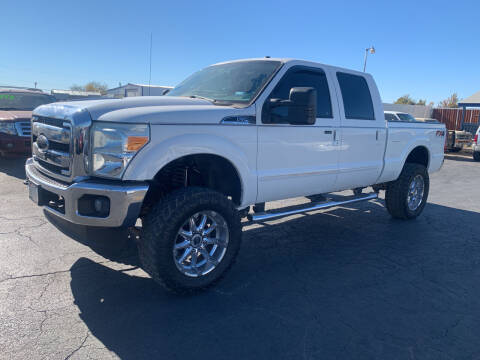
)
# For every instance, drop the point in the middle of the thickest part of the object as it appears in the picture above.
(476, 156)
(190, 239)
(406, 197)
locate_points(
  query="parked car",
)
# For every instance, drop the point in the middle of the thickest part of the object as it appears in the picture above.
(398, 116)
(190, 164)
(16, 107)
(476, 145)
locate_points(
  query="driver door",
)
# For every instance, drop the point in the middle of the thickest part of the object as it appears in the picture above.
(298, 160)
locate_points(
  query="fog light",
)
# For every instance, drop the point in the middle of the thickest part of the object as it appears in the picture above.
(98, 204)
(93, 205)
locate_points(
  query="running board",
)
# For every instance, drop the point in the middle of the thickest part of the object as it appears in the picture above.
(271, 215)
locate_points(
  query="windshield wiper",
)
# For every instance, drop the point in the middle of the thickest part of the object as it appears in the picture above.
(201, 97)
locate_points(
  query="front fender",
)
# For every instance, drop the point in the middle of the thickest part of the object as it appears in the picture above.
(170, 143)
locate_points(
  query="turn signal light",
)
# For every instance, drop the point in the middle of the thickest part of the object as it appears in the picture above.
(135, 143)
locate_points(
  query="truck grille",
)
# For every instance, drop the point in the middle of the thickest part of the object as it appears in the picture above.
(51, 145)
(24, 128)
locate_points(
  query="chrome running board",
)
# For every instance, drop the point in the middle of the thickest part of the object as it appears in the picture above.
(271, 215)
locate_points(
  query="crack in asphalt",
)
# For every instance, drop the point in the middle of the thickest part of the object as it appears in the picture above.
(52, 272)
(79, 347)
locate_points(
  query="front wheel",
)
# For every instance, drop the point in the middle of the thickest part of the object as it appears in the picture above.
(406, 197)
(476, 156)
(190, 239)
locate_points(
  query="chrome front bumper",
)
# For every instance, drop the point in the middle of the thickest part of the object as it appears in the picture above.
(125, 198)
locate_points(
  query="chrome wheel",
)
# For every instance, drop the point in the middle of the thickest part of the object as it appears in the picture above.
(416, 191)
(201, 243)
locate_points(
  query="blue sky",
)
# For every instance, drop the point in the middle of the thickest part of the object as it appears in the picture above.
(427, 49)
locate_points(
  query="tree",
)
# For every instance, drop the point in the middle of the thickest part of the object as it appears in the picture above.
(450, 102)
(76, 87)
(91, 86)
(96, 86)
(405, 100)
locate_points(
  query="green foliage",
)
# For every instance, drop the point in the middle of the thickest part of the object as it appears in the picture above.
(407, 100)
(450, 102)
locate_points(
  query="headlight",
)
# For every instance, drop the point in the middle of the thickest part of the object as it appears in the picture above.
(114, 145)
(8, 128)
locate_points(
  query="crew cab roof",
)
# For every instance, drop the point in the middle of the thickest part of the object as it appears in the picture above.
(297, 62)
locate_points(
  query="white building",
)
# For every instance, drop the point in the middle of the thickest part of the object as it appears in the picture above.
(137, 90)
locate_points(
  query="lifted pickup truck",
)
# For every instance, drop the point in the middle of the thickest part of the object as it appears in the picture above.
(191, 163)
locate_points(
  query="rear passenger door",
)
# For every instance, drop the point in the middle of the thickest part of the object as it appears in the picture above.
(362, 133)
(297, 160)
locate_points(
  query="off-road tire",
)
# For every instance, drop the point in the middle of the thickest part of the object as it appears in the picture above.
(397, 192)
(476, 156)
(160, 227)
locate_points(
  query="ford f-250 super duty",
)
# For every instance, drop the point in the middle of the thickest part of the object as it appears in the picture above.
(232, 135)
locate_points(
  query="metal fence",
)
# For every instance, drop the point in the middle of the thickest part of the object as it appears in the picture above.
(452, 118)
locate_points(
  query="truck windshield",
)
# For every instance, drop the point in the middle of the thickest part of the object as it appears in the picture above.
(406, 117)
(236, 82)
(23, 101)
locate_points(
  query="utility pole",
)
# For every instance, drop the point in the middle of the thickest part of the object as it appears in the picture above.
(35, 84)
(370, 50)
(150, 75)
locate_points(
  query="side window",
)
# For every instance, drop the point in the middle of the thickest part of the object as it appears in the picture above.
(302, 78)
(357, 100)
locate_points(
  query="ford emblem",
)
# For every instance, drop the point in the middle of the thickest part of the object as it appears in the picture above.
(42, 142)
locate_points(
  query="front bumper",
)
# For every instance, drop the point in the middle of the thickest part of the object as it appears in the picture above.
(125, 198)
(15, 145)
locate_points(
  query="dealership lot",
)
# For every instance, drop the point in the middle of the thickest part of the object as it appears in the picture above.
(349, 283)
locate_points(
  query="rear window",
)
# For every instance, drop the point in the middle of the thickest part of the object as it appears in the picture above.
(357, 100)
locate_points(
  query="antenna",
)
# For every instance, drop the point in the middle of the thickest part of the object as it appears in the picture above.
(150, 75)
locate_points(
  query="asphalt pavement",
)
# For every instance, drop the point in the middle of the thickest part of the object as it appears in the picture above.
(344, 283)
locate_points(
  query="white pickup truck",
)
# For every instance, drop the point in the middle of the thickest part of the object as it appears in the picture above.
(190, 164)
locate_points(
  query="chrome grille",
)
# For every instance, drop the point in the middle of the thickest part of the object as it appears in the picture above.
(53, 152)
(23, 128)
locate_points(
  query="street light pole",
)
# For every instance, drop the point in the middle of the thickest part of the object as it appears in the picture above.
(370, 50)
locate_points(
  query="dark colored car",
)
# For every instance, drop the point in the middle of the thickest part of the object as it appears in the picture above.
(16, 107)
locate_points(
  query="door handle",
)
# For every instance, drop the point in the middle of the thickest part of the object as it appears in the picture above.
(328, 132)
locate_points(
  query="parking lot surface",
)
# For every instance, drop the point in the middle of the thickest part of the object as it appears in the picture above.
(345, 283)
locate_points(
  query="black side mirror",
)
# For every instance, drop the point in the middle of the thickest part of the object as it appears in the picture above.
(303, 106)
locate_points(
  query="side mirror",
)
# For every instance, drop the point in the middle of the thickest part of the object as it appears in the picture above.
(303, 106)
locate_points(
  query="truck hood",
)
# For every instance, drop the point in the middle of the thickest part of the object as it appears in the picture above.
(12, 115)
(146, 109)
